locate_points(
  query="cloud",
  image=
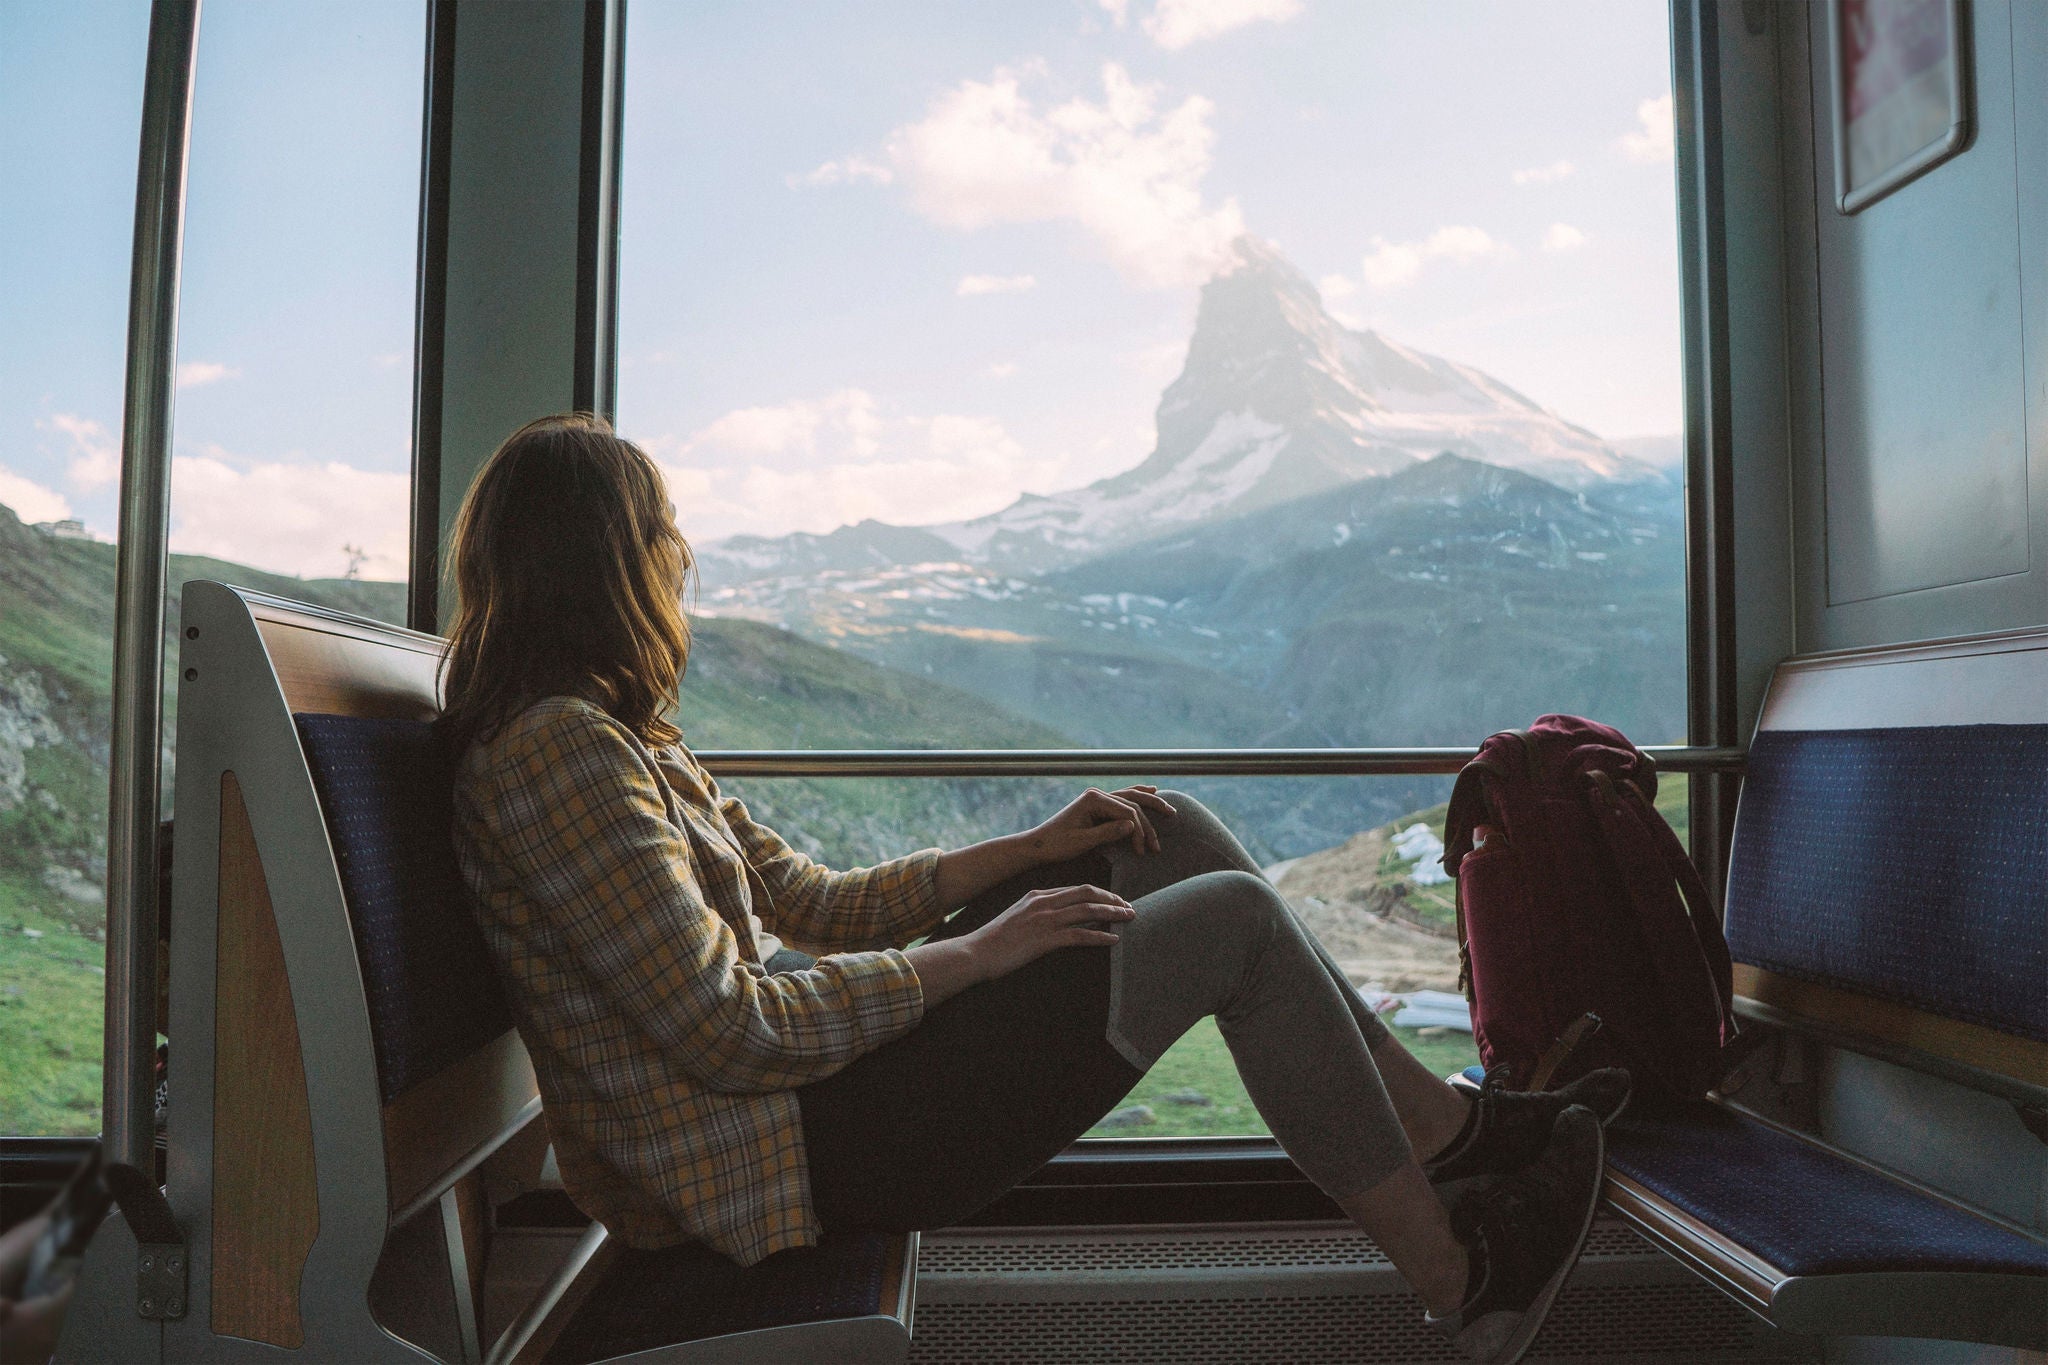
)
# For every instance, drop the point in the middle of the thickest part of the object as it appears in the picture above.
(1542, 175)
(1173, 24)
(30, 500)
(1119, 11)
(289, 517)
(1123, 169)
(1337, 287)
(1392, 264)
(95, 455)
(1652, 142)
(193, 374)
(848, 170)
(820, 463)
(1563, 237)
(971, 285)
(1002, 369)
(795, 428)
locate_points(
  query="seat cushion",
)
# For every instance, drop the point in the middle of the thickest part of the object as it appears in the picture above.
(1908, 863)
(685, 1293)
(387, 795)
(1802, 1208)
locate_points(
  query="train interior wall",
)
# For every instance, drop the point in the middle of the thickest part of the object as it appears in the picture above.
(1914, 345)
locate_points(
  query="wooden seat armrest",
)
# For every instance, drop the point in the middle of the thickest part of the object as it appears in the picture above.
(1969, 1054)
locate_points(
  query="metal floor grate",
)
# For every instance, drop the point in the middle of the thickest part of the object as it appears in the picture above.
(1292, 1293)
(1191, 1248)
(1686, 1322)
(1366, 1330)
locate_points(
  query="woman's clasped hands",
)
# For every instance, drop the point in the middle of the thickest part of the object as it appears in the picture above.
(1095, 818)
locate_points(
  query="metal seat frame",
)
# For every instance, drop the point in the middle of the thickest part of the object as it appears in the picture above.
(1993, 679)
(289, 1175)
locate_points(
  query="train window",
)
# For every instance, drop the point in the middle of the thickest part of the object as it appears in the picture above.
(293, 411)
(70, 109)
(294, 415)
(1140, 375)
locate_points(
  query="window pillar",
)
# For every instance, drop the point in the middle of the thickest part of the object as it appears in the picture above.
(518, 228)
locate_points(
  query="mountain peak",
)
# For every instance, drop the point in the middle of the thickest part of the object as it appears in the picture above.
(1276, 400)
(1255, 260)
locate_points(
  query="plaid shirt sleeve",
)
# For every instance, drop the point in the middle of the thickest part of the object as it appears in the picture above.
(886, 905)
(582, 826)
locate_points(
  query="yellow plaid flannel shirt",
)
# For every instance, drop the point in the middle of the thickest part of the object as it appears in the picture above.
(613, 884)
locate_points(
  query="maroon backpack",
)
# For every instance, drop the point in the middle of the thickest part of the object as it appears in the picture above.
(1585, 936)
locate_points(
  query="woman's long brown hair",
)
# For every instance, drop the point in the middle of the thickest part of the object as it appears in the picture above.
(569, 575)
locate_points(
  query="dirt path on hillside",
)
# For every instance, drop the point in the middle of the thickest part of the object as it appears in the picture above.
(1331, 890)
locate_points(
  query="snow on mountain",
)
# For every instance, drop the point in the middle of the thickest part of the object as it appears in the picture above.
(1275, 400)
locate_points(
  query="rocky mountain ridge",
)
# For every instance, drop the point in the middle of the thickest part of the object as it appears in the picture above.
(1275, 400)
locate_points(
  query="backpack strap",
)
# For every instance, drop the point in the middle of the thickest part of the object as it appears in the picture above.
(1561, 1048)
(1467, 811)
(1649, 866)
(1468, 808)
(1699, 906)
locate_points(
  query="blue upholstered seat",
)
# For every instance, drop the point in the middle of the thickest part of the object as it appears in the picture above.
(1902, 863)
(434, 997)
(1801, 1208)
(385, 792)
(1908, 863)
(656, 1298)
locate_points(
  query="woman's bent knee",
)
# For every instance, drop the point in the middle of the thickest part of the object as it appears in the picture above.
(1189, 816)
(1218, 907)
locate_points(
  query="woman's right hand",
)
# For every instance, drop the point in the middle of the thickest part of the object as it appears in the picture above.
(1060, 917)
(1063, 917)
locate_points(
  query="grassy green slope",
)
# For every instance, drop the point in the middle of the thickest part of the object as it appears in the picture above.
(56, 661)
(755, 686)
(749, 686)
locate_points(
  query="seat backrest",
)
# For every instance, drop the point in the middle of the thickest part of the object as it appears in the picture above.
(1889, 873)
(385, 790)
(342, 1050)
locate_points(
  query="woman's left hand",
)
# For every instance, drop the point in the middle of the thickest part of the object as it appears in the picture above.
(1097, 817)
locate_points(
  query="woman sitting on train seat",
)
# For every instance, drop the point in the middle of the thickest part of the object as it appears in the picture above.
(704, 1080)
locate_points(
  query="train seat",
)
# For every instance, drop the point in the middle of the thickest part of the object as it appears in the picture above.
(365, 1069)
(1887, 894)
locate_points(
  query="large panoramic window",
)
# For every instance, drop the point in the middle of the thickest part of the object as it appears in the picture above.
(295, 340)
(70, 115)
(1157, 373)
(292, 412)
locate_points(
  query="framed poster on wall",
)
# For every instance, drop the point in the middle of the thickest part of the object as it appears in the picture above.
(1901, 99)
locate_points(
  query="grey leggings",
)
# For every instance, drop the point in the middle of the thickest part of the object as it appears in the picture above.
(924, 1131)
(1212, 936)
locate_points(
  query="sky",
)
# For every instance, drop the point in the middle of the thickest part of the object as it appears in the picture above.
(902, 261)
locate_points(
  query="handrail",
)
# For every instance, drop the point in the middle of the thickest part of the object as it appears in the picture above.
(136, 759)
(1149, 762)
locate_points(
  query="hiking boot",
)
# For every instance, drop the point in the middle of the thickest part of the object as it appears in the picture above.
(1509, 1128)
(1525, 1231)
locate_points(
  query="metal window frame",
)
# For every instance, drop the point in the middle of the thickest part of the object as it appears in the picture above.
(573, 282)
(941, 763)
(1713, 752)
(430, 320)
(1712, 702)
(1713, 755)
(135, 760)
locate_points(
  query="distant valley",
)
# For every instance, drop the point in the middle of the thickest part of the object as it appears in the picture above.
(1336, 540)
